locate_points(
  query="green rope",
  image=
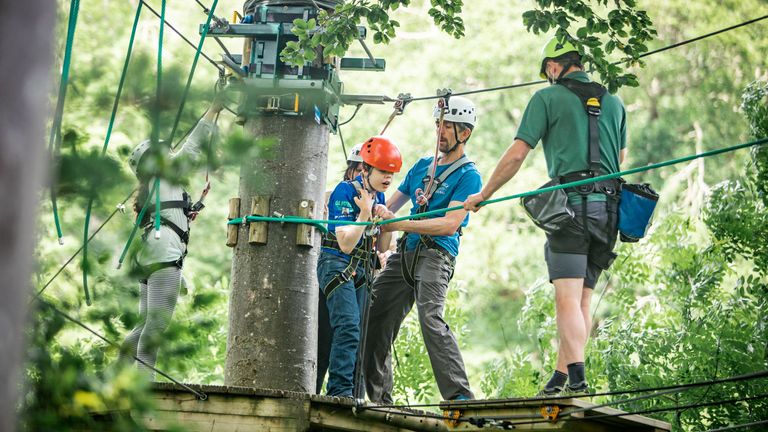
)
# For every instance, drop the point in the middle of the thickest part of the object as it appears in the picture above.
(156, 121)
(54, 143)
(157, 207)
(192, 70)
(104, 151)
(296, 219)
(139, 218)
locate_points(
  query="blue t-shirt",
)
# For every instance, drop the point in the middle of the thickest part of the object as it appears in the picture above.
(462, 183)
(342, 207)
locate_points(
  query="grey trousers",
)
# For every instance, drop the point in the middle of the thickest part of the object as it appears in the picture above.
(156, 305)
(392, 300)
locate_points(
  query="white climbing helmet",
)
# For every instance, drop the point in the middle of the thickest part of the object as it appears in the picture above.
(459, 110)
(354, 155)
(136, 154)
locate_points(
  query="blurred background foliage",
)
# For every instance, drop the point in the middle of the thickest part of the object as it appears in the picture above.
(686, 304)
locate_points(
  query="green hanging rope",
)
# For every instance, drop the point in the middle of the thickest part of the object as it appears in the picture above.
(139, 218)
(296, 219)
(192, 70)
(156, 121)
(157, 207)
(54, 143)
(104, 152)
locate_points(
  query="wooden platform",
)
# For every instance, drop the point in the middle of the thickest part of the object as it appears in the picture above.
(243, 409)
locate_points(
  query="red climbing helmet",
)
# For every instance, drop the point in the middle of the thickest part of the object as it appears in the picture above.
(382, 153)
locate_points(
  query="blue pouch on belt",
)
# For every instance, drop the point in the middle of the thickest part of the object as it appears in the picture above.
(636, 207)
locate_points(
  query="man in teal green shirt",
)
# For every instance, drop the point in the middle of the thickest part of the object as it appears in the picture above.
(578, 253)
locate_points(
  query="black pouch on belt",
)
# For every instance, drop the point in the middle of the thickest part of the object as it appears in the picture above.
(549, 211)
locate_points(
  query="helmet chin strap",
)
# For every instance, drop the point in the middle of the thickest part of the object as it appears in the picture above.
(458, 141)
(367, 180)
(565, 69)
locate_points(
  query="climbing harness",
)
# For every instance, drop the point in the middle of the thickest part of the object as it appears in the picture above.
(431, 185)
(551, 211)
(363, 253)
(636, 201)
(186, 205)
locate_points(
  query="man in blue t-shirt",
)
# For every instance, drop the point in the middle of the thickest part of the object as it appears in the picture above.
(423, 266)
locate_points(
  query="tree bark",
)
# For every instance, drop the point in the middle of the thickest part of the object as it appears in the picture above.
(25, 43)
(273, 301)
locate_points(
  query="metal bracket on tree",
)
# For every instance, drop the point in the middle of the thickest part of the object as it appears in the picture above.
(315, 87)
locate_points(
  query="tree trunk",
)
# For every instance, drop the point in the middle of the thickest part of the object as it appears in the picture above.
(273, 301)
(25, 44)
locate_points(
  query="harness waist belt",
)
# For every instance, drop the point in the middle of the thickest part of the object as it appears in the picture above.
(357, 252)
(147, 270)
(607, 187)
(183, 235)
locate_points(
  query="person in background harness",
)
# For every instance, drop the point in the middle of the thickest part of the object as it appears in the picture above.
(159, 259)
(423, 265)
(583, 130)
(324, 332)
(348, 256)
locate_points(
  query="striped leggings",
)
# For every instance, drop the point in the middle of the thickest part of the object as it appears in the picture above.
(158, 300)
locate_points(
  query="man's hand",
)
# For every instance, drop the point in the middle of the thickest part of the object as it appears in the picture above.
(473, 202)
(382, 212)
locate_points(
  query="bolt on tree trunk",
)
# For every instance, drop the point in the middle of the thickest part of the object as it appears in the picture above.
(273, 301)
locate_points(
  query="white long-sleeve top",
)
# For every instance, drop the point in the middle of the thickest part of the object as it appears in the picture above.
(169, 246)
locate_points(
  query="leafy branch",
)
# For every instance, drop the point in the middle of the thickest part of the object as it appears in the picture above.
(624, 29)
(336, 30)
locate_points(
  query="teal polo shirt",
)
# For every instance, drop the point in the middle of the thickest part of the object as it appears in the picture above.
(556, 117)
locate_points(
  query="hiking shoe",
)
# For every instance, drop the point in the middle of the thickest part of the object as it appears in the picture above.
(549, 392)
(580, 389)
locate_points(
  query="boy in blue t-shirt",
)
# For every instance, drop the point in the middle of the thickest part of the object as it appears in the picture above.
(423, 266)
(348, 255)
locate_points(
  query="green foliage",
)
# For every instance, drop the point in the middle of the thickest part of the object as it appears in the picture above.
(736, 211)
(739, 219)
(333, 32)
(754, 104)
(70, 385)
(687, 304)
(624, 28)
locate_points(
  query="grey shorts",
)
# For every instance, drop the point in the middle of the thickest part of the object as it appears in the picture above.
(570, 253)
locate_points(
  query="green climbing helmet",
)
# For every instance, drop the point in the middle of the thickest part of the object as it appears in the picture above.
(554, 48)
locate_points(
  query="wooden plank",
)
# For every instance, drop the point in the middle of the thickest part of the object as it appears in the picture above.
(330, 417)
(258, 230)
(305, 234)
(237, 409)
(204, 422)
(234, 213)
(256, 406)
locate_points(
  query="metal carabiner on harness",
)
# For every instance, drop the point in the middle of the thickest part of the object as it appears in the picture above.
(374, 229)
